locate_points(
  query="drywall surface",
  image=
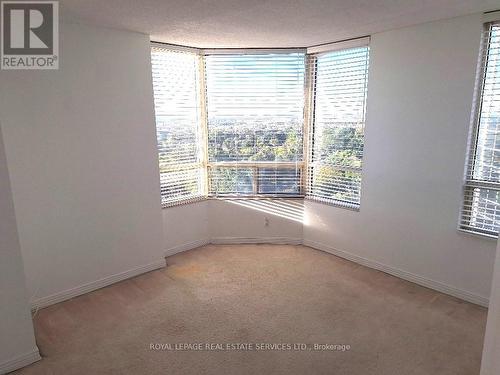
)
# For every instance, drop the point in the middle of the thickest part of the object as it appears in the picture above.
(17, 341)
(81, 151)
(420, 90)
(245, 220)
(266, 24)
(490, 364)
(185, 227)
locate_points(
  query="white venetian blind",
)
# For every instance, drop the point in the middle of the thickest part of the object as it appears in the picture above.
(481, 207)
(177, 110)
(338, 117)
(255, 109)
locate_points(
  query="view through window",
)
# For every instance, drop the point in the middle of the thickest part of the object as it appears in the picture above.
(255, 106)
(481, 207)
(336, 154)
(232, 124)
(177, 111)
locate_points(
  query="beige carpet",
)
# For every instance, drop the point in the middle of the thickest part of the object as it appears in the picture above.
(261, 294)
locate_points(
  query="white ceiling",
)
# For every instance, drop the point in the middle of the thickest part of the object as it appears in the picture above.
(264, 23)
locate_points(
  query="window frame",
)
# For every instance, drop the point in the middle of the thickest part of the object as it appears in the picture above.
(257, 165)
(202, 135)
(312, 67)
(307, 124)
(469, 182)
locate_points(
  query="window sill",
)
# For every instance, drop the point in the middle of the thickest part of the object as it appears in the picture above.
(254, 197)
(474, 233)
(338, 204)
(184, 202)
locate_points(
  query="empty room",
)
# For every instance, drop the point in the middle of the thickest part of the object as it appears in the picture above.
(250, 187)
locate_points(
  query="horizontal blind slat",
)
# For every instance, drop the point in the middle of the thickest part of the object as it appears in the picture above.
(176, 85)
(255, 110)
(336, 154)
(481, 204)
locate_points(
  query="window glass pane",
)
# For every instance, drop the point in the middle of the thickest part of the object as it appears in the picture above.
(339, 117)
(279, 181)
(481, 205)
(336, 184)
(482, 210)
(176, 87)
(177, 185)
(233, 142)
(231, 181)
(255, 109)
(487, 158)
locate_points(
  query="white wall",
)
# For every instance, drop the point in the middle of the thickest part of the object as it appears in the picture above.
(185, 227)
(490, 364)
(17, 341)
(229, 221)
(246, 220)
(81, 150)
(420, 92)
(80, 144)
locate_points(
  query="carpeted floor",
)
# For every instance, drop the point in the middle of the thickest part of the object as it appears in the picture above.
(269, 297)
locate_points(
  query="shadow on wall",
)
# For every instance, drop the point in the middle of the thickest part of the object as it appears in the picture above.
(290, 209)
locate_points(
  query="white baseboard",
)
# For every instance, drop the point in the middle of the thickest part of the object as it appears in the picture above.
(429, 283)
(243, 240)
(231, 240)
(94, 285)
(186, 246)
(20, 361)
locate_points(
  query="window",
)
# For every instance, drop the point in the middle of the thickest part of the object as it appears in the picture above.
(339, 87)
(178, 123)
(481, 205)
(242, 123)
(255, 110)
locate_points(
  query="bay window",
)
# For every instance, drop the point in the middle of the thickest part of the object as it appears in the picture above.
(259, 123)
